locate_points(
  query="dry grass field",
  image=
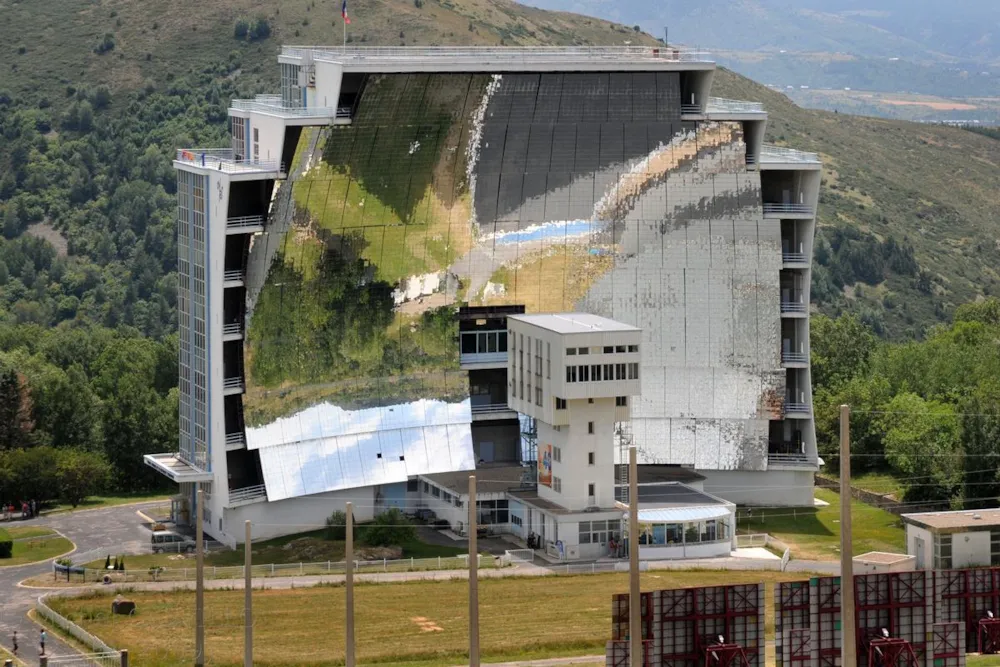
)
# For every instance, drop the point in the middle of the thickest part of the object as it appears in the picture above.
(418, 623)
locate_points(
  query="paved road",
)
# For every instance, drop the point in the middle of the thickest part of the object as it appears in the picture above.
(89, 530)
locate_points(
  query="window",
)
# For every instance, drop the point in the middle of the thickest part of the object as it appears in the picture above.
(590, 400)
(538, 396)
(557, 454)
(583, 350)
(557, 485)
(548, 361)
(571, 374)
(942, 552)
(436, 492)
(483, 342)
(590, 458)
(446, 497)
(619, 371)
(621, 401)
(619, 348)
(590, 428)
(427, 487)
(595, 372)
(239, 139)
(584, 373)
(560, 404)
(256, 144)
(515, 520)
(633, 348)
(597, 532)
(995, 547)
(609, 349)
(590, 490)
(570, 351)
(412, 486)
(633, 371)
(609, 371)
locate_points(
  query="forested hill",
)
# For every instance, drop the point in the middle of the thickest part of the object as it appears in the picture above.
(96, 95)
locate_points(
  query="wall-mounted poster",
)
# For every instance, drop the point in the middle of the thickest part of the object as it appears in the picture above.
(545, 465)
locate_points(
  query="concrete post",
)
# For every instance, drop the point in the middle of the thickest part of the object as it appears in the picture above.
(848, 650)
(124, 656)
(349, 584)
(8, 663)
(199, 591)
(634, 593)
(43, 661)
(248, 598)
(473, 575)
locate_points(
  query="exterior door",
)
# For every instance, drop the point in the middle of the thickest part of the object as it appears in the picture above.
(920, 547)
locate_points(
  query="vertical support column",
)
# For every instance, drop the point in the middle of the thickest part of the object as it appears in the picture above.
(849, 648)
(634, 601)
(247, 598)
(199, 590)
(473, 575)
(124, 658)
(349, 584)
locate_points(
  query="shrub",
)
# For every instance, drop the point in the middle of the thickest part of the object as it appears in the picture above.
(260, 29)
(336, 526)
(241, 29)
(106, 43)
(6, 544)
(389, 529)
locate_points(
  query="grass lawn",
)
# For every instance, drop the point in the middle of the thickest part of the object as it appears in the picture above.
(427, 621)
(876, 482)
(982, 660)
(97, 502)
(813, 533)
(33, 544)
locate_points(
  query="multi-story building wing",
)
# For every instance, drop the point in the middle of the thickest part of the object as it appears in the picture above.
(346, 268)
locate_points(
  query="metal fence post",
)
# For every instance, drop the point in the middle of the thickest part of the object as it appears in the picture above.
(124, 655)
(43, 661)
(8, 663)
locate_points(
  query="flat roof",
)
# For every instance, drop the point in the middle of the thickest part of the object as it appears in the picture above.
(571, 323)
(955, 521)
(882, 557)
(178, 470)
(659, 473)
(498, 59)
(490, 478)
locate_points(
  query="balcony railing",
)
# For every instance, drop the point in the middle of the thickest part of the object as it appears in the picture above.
(480, 55)
(774, 208)
(794, 258)
(245, 222)
(797, 460)
(796, 408)
(722, 105)
(793, 307)
(232, 383)
(235, 275)
(772, 153)
(751, 159)
(235, 440)
(344, 112)
(482, 358)
(490, 408)
(794, 357)
(232, 329)
(224, 159)
(275, 107)
(246, 495)
(690, 108)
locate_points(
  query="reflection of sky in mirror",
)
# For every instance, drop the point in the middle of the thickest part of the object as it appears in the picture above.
(327, 420)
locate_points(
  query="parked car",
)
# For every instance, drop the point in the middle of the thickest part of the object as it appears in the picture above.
(169, 541)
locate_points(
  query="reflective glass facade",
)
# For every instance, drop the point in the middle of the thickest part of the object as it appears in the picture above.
(561, 191)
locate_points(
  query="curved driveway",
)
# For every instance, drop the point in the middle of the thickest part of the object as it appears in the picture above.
(89, 530)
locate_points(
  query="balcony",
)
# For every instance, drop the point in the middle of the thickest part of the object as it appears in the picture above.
(794, 260)
(235, 441)
(225, 160)
(272, 105)
(794, 359)
(725, 109)
(232, 385)
(247, 495)
(247, 224)
(233, 278)
(690, 109)
(792, 303)
(492, 411)
(232, 331)
(493, 58)
(483, 349)
(789, 460)
(788, 211)
(780, 157)
(797, 410)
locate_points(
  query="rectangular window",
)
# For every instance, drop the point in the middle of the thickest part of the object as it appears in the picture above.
(609, 371)
(560, 404)
(584, 532)
(621, 401)
(590, 490)
(619, 348)
(538, 396)
(436, 492)
(584, 373)
(633, 348)
(942, 552)
(571, 374)
(412, 486)
(609, 349)
(502, 341)
(548, 361)
(256, 144)
(583, 350)
(590, 428)
(570, 351)
(595, 372)
(557, 454)
(557, 485)
(619, 371)
(633, 371)
(590, 458)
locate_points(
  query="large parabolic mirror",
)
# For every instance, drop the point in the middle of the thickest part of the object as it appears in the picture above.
(573, 191)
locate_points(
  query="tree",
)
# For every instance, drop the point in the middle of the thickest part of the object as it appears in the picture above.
(839, 349)
(16, 423)
(981, 439)
(866, 395)
(80, 474)
(922, 441)
(389, 529)
(336, 526)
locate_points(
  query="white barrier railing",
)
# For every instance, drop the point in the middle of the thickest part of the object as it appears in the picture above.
(480, 54)
(774, 208)
(721, 104)
(772, 153)
(520, 555)
(276, 108)
(247, 495)
(71, 628)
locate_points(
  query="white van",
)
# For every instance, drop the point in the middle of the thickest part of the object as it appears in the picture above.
(166, 540)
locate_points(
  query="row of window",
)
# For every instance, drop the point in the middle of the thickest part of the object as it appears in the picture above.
(620, 402)
(602, 372)
(556, 484)
(484, 342)
(607, 349)
(684, 533)
(943, 551)
(599, 532)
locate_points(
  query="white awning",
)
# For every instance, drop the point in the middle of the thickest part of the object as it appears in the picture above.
(683, 514)
(172, 466)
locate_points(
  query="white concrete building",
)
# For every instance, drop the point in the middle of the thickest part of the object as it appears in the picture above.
(947, 540)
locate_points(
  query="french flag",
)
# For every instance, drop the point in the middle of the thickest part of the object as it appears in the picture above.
(343, 12)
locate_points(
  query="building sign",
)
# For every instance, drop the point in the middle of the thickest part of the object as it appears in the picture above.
(545, 465)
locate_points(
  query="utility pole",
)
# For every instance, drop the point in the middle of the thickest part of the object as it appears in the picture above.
(199, 589)
(634, 595)
(473, 575)
(349, 584)
(247, 599)
(848, 649)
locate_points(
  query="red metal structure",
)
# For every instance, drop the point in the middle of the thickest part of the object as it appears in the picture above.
(725, 655)
(890, 652)
(989, 635)
(900, 603)
(965, 596)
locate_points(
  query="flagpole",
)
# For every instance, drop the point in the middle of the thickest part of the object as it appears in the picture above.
(345, 34)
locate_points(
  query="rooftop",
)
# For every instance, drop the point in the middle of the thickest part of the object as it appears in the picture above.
(650, 473)
(949, 522)
(502, 59)
(490, 478)
(571, 323)
(882, 557)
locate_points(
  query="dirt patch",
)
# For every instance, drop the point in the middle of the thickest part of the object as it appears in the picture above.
(44, 230)
(426, 625)
(937, 106)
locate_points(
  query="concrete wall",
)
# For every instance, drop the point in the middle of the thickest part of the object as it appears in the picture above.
(295, 515)
(971, 549)
(576, 443)
(868, 567)
(701, 550)
(271, 135)
(327, 90)
(785, 488)
(920, 545)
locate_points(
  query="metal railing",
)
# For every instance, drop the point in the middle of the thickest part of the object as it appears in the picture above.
(235, 439)
(344, 112)
(69, 627)
(105, 659)
(247, 494)
(772, 153)
(794, 258)
(796, 407)
(481, 54)
(774, 208)
(482, 358)
(751, 159)
(232, 276)
(490, 408)
(690, 108)
(723, 105)
(794, 357)
(277, 108)
(793, 307)
(232, 329)
(224, 159)
(244, 222)
(232, 383)
(790, 460)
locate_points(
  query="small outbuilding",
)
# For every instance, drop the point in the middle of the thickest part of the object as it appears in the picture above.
(946, 540)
